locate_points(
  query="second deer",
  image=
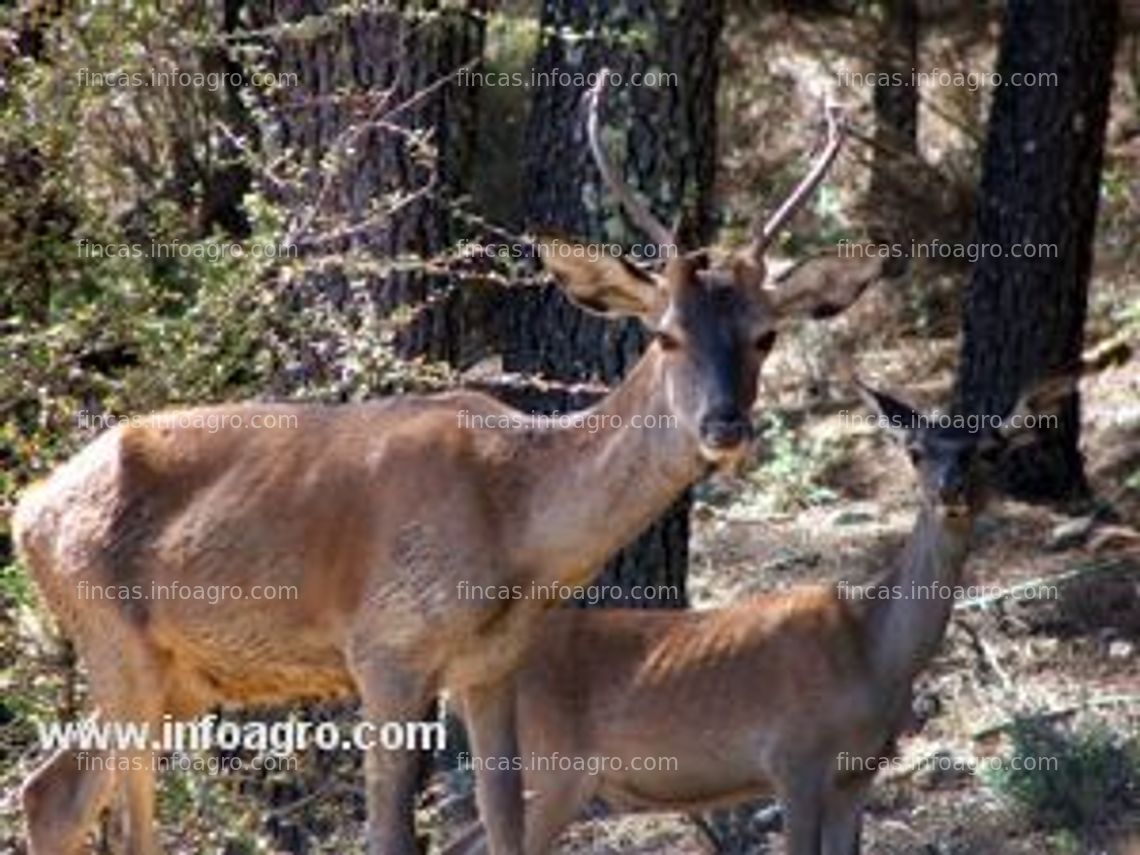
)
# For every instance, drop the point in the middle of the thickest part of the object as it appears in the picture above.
(800, 694)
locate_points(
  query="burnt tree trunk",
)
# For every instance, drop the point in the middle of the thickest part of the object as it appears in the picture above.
(1024, 317)
(666, 138)
(387, 78)
(224, 187)
(896, 119)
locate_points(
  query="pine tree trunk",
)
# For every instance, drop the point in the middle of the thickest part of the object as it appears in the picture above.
(896, 119)
(668, 148)
(391, 72)
(1024, 317)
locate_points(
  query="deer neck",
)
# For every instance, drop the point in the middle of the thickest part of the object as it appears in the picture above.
(589, 493)
(906, 623)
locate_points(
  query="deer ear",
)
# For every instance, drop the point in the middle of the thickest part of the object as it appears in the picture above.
(1041, 402)
(896, 417)
(824, 286)
(748, 270)
(601, 282)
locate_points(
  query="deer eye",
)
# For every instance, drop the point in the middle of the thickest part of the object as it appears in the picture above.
(991, 448)
(764, 342)
(667, 340)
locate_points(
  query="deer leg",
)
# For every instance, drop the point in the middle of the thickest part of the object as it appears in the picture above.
(63, 798)
(140, 809)
(138, 700)
(843, 818)
(139, 786)
(391, 694)
(803, 799)
(549, 809)
(491, 721)
(555, 803)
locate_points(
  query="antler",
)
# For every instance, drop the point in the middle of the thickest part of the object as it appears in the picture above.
(635, 208)
(763, 235)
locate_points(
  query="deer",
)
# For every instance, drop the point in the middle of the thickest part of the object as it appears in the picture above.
(376, 512)
(799, 694)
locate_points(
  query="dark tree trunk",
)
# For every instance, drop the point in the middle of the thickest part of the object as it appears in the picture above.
(896, 119)
(388, 71)
(224, 187)
(1024, 317)
(669, 152)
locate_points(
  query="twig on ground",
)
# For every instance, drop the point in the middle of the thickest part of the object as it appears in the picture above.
(1037, 584)
(1053, 715)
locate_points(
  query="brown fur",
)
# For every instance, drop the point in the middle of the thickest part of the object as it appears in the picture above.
(757, 699)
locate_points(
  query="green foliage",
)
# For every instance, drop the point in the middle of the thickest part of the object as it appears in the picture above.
(146, 308)
(1127, 317)
(15, 587)
(1095, 778)
(792, 470)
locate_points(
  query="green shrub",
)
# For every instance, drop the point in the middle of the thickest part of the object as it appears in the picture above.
(792, 472)
(1095, 777)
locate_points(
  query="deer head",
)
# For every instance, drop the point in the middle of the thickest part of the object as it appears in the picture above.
(954, 456)
(712, 322)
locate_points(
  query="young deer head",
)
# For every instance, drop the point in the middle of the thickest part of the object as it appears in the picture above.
(712, 323)
(953, 457)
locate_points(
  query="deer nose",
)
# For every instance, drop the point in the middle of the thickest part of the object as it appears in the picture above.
(952, 492)
(725, 430)
(951, 495)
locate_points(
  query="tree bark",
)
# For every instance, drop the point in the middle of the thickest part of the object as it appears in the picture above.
(668, 147)
(390, 72)
(1024, 317)
(896, 119)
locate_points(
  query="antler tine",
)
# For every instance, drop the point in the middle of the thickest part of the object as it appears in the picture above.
(636, 209)
(764, 235)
